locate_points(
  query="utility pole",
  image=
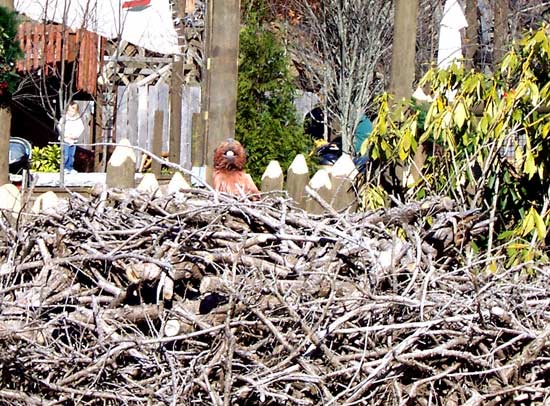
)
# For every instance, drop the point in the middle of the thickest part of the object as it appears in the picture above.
(222, 51)
(404, 48)
(5, 127)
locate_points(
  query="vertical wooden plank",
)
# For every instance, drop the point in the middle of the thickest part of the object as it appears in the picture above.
(190, 106)
(197, 141)
(151, 108)
(21, 38)
(37, 46)
(92, 62)
(58, 42)
(82, 69)
(121, 124)
(132, 108)
(50, 47)
(28, 46)
(157, 141)
(98, 134)
(164, 106)
(176, 96)
(143, 120)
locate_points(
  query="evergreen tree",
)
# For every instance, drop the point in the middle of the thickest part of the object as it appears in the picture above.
(266, 117)
(9, 52)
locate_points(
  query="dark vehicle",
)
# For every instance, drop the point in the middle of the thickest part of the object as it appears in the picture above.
(20, 155)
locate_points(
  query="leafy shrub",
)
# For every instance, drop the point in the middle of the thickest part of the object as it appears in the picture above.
(486, 147)
(266, 122)
(46, 159)
(9, 53)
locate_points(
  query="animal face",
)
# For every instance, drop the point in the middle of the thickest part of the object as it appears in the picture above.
(229, 174)
(230, 155)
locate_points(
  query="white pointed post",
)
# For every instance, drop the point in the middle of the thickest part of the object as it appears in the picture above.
(121, 168)
(150, 185)
(272, 179)
(45, 203)
(177, 183)
(343, 176)
(10, 199)
(296, 180)
(321, 184)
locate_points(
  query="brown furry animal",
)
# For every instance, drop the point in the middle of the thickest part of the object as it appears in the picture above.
(229, 174)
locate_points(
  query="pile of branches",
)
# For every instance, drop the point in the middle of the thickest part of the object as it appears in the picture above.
(197, 298)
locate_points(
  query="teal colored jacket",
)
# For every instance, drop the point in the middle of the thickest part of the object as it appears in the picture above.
(362, 132)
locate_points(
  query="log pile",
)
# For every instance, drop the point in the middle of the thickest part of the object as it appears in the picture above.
(195, 298)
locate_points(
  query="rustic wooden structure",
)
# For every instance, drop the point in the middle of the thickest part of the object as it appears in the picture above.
(329, 189)
(45, 45)
(127, 84)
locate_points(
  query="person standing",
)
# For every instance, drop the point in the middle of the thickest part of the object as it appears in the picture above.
(71, 126)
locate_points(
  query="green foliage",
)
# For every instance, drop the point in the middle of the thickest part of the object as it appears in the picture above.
(487, 147)
(266, 117)
(46, 159)
(9, 52)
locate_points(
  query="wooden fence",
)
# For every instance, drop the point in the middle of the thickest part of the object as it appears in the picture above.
(137, 107)
(330, 189)
(44, 45)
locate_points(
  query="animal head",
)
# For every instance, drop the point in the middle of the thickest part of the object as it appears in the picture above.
(230, 155)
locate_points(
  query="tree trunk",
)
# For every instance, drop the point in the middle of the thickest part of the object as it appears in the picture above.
(472, 40)
(404, 48)
(5, 126)
(501, 10)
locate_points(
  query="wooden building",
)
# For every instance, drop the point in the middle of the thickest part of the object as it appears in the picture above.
(119, 85)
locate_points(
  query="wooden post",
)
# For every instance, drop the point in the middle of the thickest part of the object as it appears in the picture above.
(121, 168)
(404, 48)
(5, 127)
(272, 179)
(297, 179)
(321, 184)
(176, 84)
(343, 175)
(157, 142)
(222, 50)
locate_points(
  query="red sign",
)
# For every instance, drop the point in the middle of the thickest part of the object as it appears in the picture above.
(130, 4)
